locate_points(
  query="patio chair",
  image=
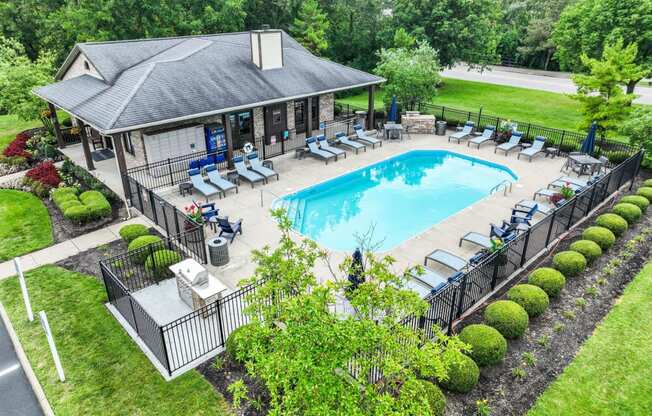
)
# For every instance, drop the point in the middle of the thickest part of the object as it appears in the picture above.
(343, 139)
(466, 132)
(505, 234)
(535, 149)
(229, 229)
(513, 143)
(428, 282)
(324, 145)
(604, 162)
(202, 187)
(313, 150)
(543, 208)
(447, 259)
(520, 216)
(248, 175)
(487, 135)
(365, 138)
(216, 179)
(208, 210)
(257, 166)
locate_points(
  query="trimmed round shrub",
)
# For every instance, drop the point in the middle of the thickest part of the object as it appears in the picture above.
(647, 183)
(601, 235)
(613, 222)
(77, 213)
(630, 212)
(531, 298)
(132, 231)
(238, 343)
(508, 317)
(645, 192)
(88, 196)
(99, 209)
(569, 263)
(160, 260)
(639, 201)
(463, 375)
(137, 244)
(589, 249)
(548, 279)
(63, 206)
(415, 391)
(488, 346)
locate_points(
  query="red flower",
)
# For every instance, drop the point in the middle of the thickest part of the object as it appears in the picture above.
(18, 147)
(45, 173)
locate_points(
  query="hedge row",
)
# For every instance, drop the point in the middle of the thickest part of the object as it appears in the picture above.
(85, 207)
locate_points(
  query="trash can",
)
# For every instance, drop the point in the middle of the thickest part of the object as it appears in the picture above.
(441, 128)
(218, 251)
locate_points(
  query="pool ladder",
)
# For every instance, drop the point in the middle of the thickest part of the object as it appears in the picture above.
(506, 185)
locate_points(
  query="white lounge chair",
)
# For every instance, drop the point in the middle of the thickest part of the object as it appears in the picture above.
(535, 149)
(202, 187)
(466, 132)
(256, 165)
(545, 209)
(487, 135)
(446, 258)
(216, 179)
(343, 140)
(513, 143)
(313, 150)
(365, 138)
(248, 175)
(324, 145)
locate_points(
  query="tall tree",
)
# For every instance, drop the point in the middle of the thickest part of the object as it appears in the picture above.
(310, 27)
(588, 25)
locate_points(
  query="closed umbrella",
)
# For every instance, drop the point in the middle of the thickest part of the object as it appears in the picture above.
(589, 143)
(393, 110)
(355, 275)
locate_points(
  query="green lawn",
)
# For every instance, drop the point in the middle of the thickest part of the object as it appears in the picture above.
(106, 373)
(24, 224)
(525, 105)
(612, 372)
(10, 125)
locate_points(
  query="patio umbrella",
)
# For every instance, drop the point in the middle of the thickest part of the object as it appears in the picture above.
(393, 110)
(589, 143)
(355, 275)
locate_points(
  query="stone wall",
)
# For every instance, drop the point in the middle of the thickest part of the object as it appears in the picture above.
(259, 123)
(326, 107)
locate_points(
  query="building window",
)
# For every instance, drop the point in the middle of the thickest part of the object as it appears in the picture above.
(299, 115)
(315, 112)
(242, 129)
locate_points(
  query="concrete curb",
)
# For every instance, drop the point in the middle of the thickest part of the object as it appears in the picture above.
(27, 367)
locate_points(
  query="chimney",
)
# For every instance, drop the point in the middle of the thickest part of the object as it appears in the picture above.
(266, 48)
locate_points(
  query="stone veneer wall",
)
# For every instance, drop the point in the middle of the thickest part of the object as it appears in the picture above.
(259, 123)
(326, 107)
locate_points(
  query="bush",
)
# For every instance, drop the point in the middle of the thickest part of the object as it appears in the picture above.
(647, 183)
(99, 209)
(414, 391)
(63, 206)
(132, 231)
(569, 263)
(18, 147)
(645, 192)
(77, 213)
(509, 318)
(91, 196)
(160, 260)
(531, 298)
(639, 201)
(589, 249)
(630, 212)
(601, 235)
(141, 242)
(45, 173)
(488, 346)
(548, 279)
(613, 222)
(463, 375)
(238, 343)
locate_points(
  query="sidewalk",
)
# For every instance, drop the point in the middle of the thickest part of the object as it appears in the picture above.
(69, 248)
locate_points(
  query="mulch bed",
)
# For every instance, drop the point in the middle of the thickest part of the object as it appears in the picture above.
(64, 229)
(565, 326)
(88, 262)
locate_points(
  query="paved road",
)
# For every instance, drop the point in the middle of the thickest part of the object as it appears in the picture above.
(16, 395)
(559, 83)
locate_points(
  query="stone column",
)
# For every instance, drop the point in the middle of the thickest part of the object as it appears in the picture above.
(228, 135)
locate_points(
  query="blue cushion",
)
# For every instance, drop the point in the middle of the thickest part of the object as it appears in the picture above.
(194, 164)
(205, 162)
(321, 138)
(219, 158)
(469, 123)
(438, 287)
(238, 159)
(310, 139)
(357, 127)
(339, 134)
(210, 168)
(193, 172)
(252, 156)
(456, 277)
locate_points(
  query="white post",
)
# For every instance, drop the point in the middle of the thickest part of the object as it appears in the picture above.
(53, 348)
(23, 288)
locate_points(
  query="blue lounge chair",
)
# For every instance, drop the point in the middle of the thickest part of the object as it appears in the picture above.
(535, 149)
(311, 142)
(365, 138)
(446, 259)
(257, 166)
(342, 139)
(464, 134)
(487, 135)
(202, 187)
(513, 143)
(229, 229)
(216, 179)
(324, 145)
(247, 175)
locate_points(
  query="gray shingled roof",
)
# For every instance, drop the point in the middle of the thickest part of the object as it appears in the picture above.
(158, 80)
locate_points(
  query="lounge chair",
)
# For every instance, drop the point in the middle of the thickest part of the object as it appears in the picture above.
(428, 282)
(543, 208)
(202, 187)
(343, 140)
(464, 134)
(567, 180)
(365, 138)
(216, 179)
(447, 259)
(229, 229)
(545, 192)
(535, 149)
(513, 143)
(257, 166)
(505, 234)
(311, 142)
(248, 175)
(487, 135)
(324, 145)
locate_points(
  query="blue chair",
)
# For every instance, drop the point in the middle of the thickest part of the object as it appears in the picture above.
(523, 216)
(311, 142)
(229, 229)
(257, 166)
(208, 210)
(202, 187)
(216, 179)
(363, 137)
(343, 139)
(324, 145)
(248, 175)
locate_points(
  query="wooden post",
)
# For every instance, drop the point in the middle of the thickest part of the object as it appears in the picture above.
(309, 118)
(55, 124)
(87, 149)
(370, 108)
(228, 135)
(122, 163)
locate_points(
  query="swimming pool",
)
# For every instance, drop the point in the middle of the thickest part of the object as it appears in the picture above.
(398, 198)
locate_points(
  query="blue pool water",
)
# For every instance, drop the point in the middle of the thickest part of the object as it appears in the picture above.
(399, 197)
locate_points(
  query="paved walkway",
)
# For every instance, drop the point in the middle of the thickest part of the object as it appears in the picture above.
(68, 248)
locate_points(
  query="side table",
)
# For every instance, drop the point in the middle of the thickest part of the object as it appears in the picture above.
(233, 177)
(551, 151)
(185, 188)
